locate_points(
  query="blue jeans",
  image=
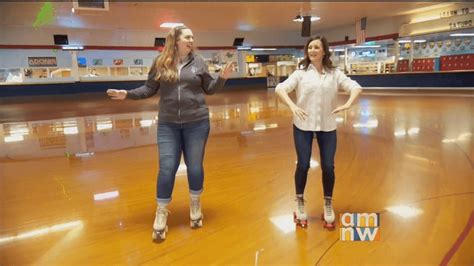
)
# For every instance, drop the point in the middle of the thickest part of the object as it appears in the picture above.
(174, 139)
(327, 150)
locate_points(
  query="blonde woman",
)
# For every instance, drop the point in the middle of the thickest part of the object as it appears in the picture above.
(183, 79)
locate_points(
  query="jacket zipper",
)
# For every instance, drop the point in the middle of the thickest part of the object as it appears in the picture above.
(179, 94)
(179, 89)
(179, 102)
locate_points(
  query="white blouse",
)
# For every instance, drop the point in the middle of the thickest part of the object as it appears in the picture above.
(316, 94)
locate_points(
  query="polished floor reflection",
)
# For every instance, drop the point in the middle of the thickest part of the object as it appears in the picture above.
(78, 174)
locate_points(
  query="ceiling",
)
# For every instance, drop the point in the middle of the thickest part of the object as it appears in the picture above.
(211, 16)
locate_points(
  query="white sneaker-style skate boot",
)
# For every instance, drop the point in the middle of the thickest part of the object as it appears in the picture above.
(328, 217)
(195, 212)
(159, 225)
(299, 216)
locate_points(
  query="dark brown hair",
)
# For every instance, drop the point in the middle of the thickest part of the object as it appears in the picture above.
(327, 63)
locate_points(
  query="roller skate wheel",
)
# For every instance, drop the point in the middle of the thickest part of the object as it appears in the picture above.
(329, 226)
(196, 223)
(304, 224)
(159, 236)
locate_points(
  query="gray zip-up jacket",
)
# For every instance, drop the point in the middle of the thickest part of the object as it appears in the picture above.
(183, 101)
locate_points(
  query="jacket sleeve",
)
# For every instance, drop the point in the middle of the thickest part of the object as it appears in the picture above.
(209, 84)
(149, 89)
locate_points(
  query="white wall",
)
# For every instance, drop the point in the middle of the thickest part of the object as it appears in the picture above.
(13, 58)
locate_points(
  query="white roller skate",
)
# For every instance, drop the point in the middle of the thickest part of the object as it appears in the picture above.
(299, 216)
(328, 217)
(195, 212)
(159, 225)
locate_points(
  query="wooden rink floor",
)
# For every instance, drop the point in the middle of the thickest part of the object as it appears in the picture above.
(407, 157)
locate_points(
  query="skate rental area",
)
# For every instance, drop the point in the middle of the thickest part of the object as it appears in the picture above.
(236, 133)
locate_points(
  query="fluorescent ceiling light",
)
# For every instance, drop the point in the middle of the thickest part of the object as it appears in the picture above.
(244, 48)
(263, 49)
(419, 41)
(313, 18)
(171, 24)
(72, 48)
(461, 34)
(367, 46)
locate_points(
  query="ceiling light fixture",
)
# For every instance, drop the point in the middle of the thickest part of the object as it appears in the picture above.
(299, 18)
(171, 24)
(461, 34)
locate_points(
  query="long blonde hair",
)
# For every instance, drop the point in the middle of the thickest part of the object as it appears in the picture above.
(166, 63)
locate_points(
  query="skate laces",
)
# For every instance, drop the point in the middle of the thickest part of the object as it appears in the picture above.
(195, 203)
(162, 214)
(328, 204)
(300, 202)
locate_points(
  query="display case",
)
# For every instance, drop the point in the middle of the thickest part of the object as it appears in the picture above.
(371, 58)
(95, 71)
(338, 57)
(389, 68)
(104, 65)
(138, 71)
(91, 73)
(270, 65)
(255, 70)
(38, 66)
(457, 62)
(446, 51)
(119, 71)
(35, 75)
(60, 73)
(216, 59)
(403, 65)
(368, 58)
(285, 68)
(425, 64)
(11, 75)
